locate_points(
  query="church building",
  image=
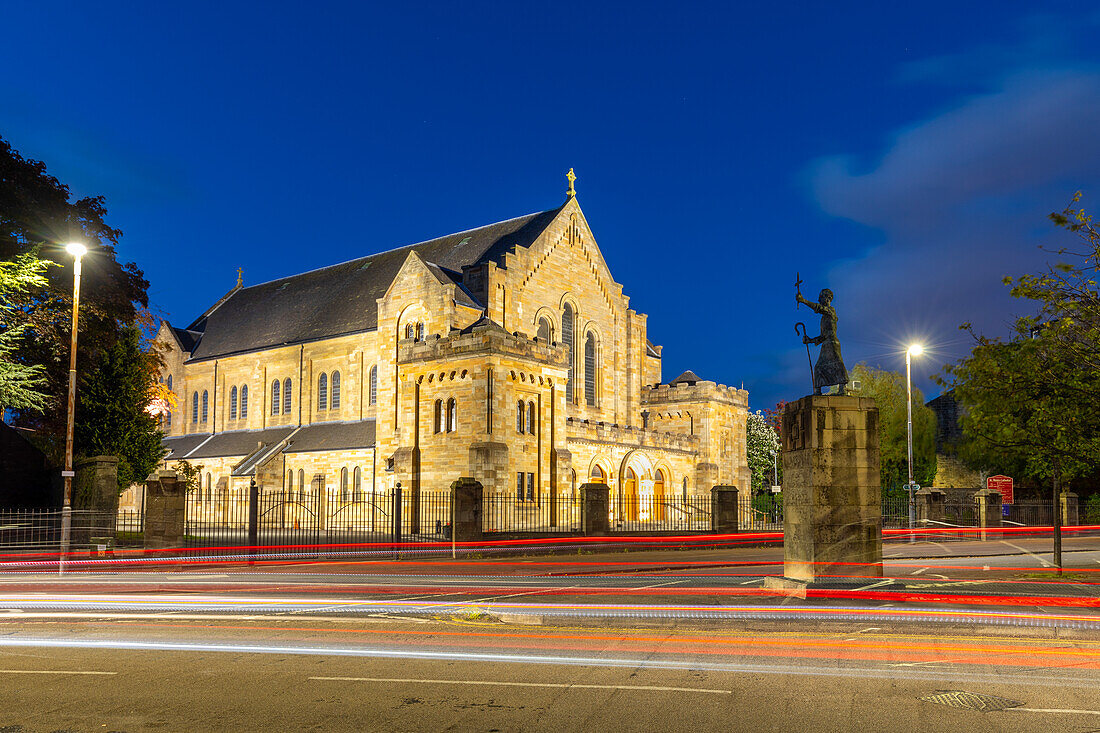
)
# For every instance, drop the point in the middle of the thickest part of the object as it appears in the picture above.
(507, 353)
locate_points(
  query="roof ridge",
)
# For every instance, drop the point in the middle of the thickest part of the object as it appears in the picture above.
(395, 249)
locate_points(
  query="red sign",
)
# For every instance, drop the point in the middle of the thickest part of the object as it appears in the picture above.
(1002, 485)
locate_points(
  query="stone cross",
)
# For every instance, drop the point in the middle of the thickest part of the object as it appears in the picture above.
(570, 176)
(240, 276)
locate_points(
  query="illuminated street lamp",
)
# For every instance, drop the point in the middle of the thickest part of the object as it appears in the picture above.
(913, 350)
(77, 250)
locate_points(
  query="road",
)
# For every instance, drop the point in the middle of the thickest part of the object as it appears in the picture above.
(657, 640)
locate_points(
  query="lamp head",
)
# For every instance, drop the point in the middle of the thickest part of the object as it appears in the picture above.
(76, 249)
(916, 349)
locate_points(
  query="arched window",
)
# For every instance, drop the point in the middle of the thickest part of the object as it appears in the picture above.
(209, 487)
(373, 385)
(168, 419)
(419, 331)
(521, 415)
(546, 331)
(452, 415)
(276, 400)
(437, 417)
(244, 401)
(169, 382)
(410, 330)
(194, 407)
(205, 404)
(357, 484)
(233, 403)
(334, 391)
(531, 424)
(685, 489)
(590, 369)
(301, 484)
(290, 484)
(598, 476)
(322, 392)
(286, 395)
(567, 339)
(344, 483)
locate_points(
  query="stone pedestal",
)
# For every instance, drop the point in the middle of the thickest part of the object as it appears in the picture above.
(831, 496)
(164, 510)
(1068, 502)
(595, 506)
(930, 506)
(987, 511)
(723, 509)
(466, 496)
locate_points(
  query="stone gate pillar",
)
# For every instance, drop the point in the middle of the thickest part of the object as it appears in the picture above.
(595, 505)
(1068, 502)
(466, 497)
(831, 497)
(165, 510)
(987, 508)
(723, 509)
(930, 506)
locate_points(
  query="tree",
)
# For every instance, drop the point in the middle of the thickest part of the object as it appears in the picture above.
(888, 390)
(21, 384)
(114, 401)
(37, 216)
(762, 445)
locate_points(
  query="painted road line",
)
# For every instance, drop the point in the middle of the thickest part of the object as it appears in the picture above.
(555, 685)
(50, 671)
(1068, 711)
(1042, 562)
(918, 571)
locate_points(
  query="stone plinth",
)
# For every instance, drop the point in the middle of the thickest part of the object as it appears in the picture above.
(987, 510)
(930, 506)
(595, 508)
(1068, 502)
(466, 496)
(831, 496)
(723, 509)
(164, 510)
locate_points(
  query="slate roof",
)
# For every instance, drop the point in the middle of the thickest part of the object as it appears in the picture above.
(187, 339)
(341, 299)
(181, 445)
(688, 377)
(333, 436)
(237, 442)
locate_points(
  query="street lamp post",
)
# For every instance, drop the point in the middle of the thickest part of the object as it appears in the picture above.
(77, 250)
(913, 350)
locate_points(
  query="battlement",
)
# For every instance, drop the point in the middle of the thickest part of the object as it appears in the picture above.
(603, 432)
(703, 391)
(482, 337)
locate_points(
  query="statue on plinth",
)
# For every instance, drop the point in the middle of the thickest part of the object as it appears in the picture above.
(829, 370)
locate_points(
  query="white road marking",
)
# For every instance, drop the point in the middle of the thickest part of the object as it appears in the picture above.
(1042, 562)
(1069, 711)
(875, 585)
(918, 571)
(985, 567)
(555, 685)
(50, 671)
(658, 585)
(757, 580)
(869, 628)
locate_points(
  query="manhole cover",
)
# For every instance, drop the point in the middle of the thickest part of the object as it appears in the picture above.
(971, 701)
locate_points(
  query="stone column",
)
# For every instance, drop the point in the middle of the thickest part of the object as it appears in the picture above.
(165, 509)
(930, 506)
(987, 508)
(466, 497)
(1070, 517)
(831, 497)
(595, 505)
(723, 509)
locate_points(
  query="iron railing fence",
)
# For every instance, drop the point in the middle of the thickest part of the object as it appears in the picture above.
(1027, 514)
(507, 512)
(40, 530)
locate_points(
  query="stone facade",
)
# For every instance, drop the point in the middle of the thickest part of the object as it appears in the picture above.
(441, 374)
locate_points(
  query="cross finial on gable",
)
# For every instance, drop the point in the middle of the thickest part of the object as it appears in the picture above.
(240, 276)
(571, 176)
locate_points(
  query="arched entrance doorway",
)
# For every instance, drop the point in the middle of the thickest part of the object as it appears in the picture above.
(659, 494)
(630, 495)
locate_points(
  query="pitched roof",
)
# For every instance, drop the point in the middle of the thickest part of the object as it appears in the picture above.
(342, 298)
(333, 436)
(236, 443)
(688, 377)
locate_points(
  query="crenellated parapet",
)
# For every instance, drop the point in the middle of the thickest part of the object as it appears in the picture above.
(702, 391)
(620, 435)
(483, 337)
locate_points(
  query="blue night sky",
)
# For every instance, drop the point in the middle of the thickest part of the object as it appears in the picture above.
(903, 154)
